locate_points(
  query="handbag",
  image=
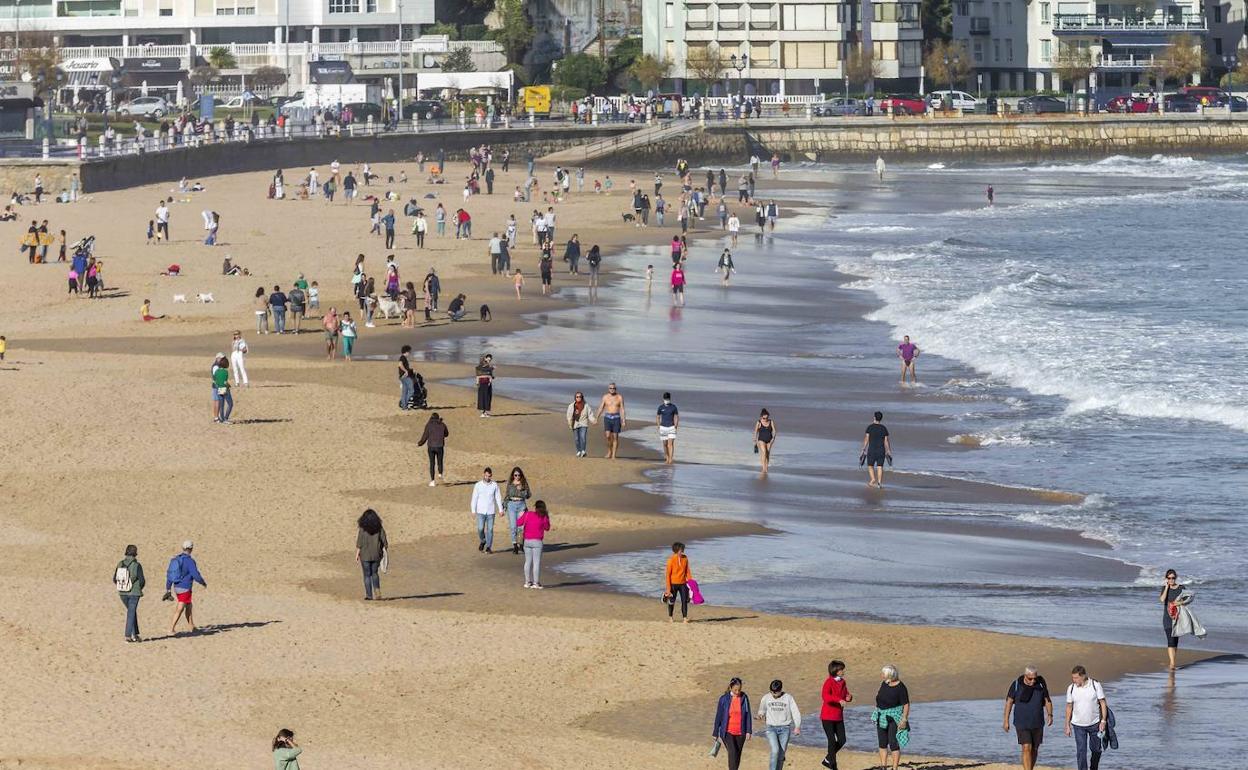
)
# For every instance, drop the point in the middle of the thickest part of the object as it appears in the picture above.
(385, 561)
(714, 752)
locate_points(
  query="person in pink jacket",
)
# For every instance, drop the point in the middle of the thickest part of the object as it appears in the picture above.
(534, 524)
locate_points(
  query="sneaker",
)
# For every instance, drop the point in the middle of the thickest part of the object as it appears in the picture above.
(827, 764)
(538, 586)
(489, 550)
(370, 326)
(481, 546)
(433, 483)
(528, 585)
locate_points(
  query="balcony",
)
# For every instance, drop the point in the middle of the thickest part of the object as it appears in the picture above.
(763, 63)
(1099, 25)
(1124, 63)
(699, 26)
(757, 25)
(980, 25)
(731, 26)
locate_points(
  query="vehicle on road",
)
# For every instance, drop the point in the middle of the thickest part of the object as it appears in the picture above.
(961, 100)
(837, 106)
(1182, 103)
(903, 104)
(152, 106)
(1209, 96)
(1129, 104)
(1040, 104)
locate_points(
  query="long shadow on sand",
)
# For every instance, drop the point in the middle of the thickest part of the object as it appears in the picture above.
(552, 547)
(442, 595)
(261, 421)
(212, 630)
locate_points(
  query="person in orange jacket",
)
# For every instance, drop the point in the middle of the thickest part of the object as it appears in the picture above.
(676, 582)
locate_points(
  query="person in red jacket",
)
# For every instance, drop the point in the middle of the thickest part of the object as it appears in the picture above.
(835, 697)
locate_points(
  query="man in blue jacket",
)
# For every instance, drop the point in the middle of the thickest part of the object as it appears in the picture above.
(181, 578)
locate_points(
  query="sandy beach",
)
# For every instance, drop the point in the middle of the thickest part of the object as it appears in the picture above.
(459, 667)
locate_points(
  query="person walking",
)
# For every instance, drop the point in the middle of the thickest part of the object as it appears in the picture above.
(129, 581)
(907, 351)
(594, 260)
(876, 447)
(667, 419)
(534, 524)
(285, 751)
(726, 265)
(221, 382)
(676, 577)
(419, 228)
(764, 438)
(487, 501)
(1028, 697)
(435, 435)
(611, 410)
(580, 417)
(370, 551)
(835, 696)
(180, 579)
(733, 722)
(238, 354)
(891, 716)
(1087, 716)
(349, 334)
(387, 223)
(298, 297)
(1170, 590)
(261, 305)
(330, 323)
(515, 501)
(277, 303)
(782, 719)
(485, 384)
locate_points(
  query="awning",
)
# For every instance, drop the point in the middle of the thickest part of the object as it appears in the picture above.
(153, 64)
(88, 72)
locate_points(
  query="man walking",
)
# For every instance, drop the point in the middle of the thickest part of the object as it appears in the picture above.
(162, 221)
(667, 420)
(387, 222)
(298, 305)
(875, 448)
(489, 181)
(128, 577)
(1087, 716)
(181, 577)
(496, 254)
(611, 408)
(277, 303)
(487, 501)
(1028, 697)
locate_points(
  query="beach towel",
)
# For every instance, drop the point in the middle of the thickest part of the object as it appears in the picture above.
(695, 595)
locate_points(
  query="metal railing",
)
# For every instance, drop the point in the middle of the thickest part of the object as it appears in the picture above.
(980, 25)
(1092, 23)
(1110, 62)
(270, 51)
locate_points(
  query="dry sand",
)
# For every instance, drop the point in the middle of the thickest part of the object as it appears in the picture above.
(111, 443)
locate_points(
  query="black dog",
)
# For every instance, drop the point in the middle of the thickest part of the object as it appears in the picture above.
(486, 315)
(629, 218)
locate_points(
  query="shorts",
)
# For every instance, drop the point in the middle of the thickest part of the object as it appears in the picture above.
(546, 279)
(875, 459)
(678, 289)
(1030, 736)
(886, 737)
(667, 432)
(611, 423)
(184, 597)
(215, 395)
(331, 336)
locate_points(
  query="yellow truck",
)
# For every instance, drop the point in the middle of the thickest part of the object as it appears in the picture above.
(536, 98)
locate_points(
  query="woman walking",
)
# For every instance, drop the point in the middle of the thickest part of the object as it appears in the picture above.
(764, 438)
(348, 332)
(514, 500)
(835, 696)
(370, 547)
(580, 417)
(221, 385)
(485, 384)
(1170, 590)
(129, 580)
(891, 716)
(782, 719)
(261, 305)
(535, 524)
(238, 353)
(285, 751)
(435, 435)
(676, 579)
(726, 265)
(733, 722)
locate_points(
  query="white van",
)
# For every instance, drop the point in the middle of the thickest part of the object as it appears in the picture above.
(961, 99)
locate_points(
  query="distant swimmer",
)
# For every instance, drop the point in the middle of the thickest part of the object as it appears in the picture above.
(875, 449)
(907, 351)
(879, 167)
(611, 410)
(991, 195)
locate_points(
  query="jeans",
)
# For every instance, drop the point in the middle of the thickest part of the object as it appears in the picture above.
(835, 731)
(372, 580)
(659, 215)
(441, 228)
(262, 322)
(132, 614)
(485, 529)
(581, 436)
(407, 389)
(778, 739)
(389, 239)
(1085, 738)
(514, 509)
(227, 405)
(279, 319)
(533, 561)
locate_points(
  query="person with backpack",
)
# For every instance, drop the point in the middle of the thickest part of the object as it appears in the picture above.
(128, 577)
(1028, 697)
(1087, 716)
(181, 577)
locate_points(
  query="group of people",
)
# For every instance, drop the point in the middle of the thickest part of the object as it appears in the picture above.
(180, 578)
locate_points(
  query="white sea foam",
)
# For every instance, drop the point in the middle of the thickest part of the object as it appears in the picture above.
(879, 229)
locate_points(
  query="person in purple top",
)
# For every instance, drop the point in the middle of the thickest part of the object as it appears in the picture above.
(907, 351)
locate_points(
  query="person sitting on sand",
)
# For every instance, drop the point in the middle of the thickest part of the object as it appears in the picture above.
(456, 309)
(145, 312)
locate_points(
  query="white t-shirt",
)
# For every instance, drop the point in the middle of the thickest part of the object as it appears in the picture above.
(162, 214)
(1086, 712)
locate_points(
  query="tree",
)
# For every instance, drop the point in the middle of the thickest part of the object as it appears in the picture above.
(861, 66)
(515, 32)
(623, 55)
(705, 63)
(221, 58)
(1184, 57)
(937, 18)
(1238, 77)
(955, 71)
(442, 28)
(649, 72)
(203, 75)
(1073, 65)
(459, 60)
(582, 71)
(41, 58)
(267, 78)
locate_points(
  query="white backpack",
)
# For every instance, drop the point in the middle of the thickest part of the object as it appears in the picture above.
(122, 578)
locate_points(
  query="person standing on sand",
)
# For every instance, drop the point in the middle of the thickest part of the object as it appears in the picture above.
(835, 696)
(879, 167)
(162, 220)
(348, 331)
(486, 503)
(676, 577)
(782, 719)
(407, 377)
(594, 260)
(330, 324)
(435, 435)
(678, 286)
(891, 716)
(764, 438)
(129, 580)
(1170, 590)
(907, 351)
(1087, 716)
(285, 751)
(733, 722)
(1028, 697)
(485, 384)
(534, 524)
(876, 447)
(580, 417)
(221, 381)
(514, 500)
(734, 227)
(370, 548)
(611, 409)
(238, 353)
(180, 579)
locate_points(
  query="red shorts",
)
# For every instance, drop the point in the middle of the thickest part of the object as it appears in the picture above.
(184, 597)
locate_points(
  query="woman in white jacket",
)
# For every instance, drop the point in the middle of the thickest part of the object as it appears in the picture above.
(783, 720)
(238, 352)
(580, 417)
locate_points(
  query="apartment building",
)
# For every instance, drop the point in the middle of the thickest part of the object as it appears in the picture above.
(792, 47)
(563, 27)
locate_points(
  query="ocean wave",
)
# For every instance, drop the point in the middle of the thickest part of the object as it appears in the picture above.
(879, 229)
(989, 438)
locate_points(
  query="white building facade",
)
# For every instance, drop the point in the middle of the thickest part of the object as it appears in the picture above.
(793, 47)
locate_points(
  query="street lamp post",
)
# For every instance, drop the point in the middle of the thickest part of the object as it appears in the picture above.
(17, 39)
(949, 71)
(1231, 62)
(739, 64)
(401, 55)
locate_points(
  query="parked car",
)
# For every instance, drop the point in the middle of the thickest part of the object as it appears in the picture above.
(1210, 96)
(1040, 104)
(1239, 104)
(903, 104)
(1129, 104)
(1182, 103)
(150, 106)
(961, 99)
(424, 109)
(838, 106)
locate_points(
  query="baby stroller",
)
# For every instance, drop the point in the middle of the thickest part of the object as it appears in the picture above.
(85, 247)
(420, 396)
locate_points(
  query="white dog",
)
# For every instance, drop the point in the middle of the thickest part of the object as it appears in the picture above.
(179, 298)
(204, 297)
(386, 306)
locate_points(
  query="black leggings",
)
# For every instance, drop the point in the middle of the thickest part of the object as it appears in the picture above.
(734, 744)
(835, 730)
(436, 456)
(681, 590)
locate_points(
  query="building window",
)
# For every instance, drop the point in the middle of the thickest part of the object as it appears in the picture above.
(804, 17)
(344, 6)
(669, 15)
(1217, 14)
(996, 50)
(1044, 13)
(962, 8)
(996, 14)
(1009, 13)
(978, 51)
(1217, 46)
(1009, 49)
(911, 53)
(88, 8)
(885, 50)
(370, 6)
(1046, 50)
